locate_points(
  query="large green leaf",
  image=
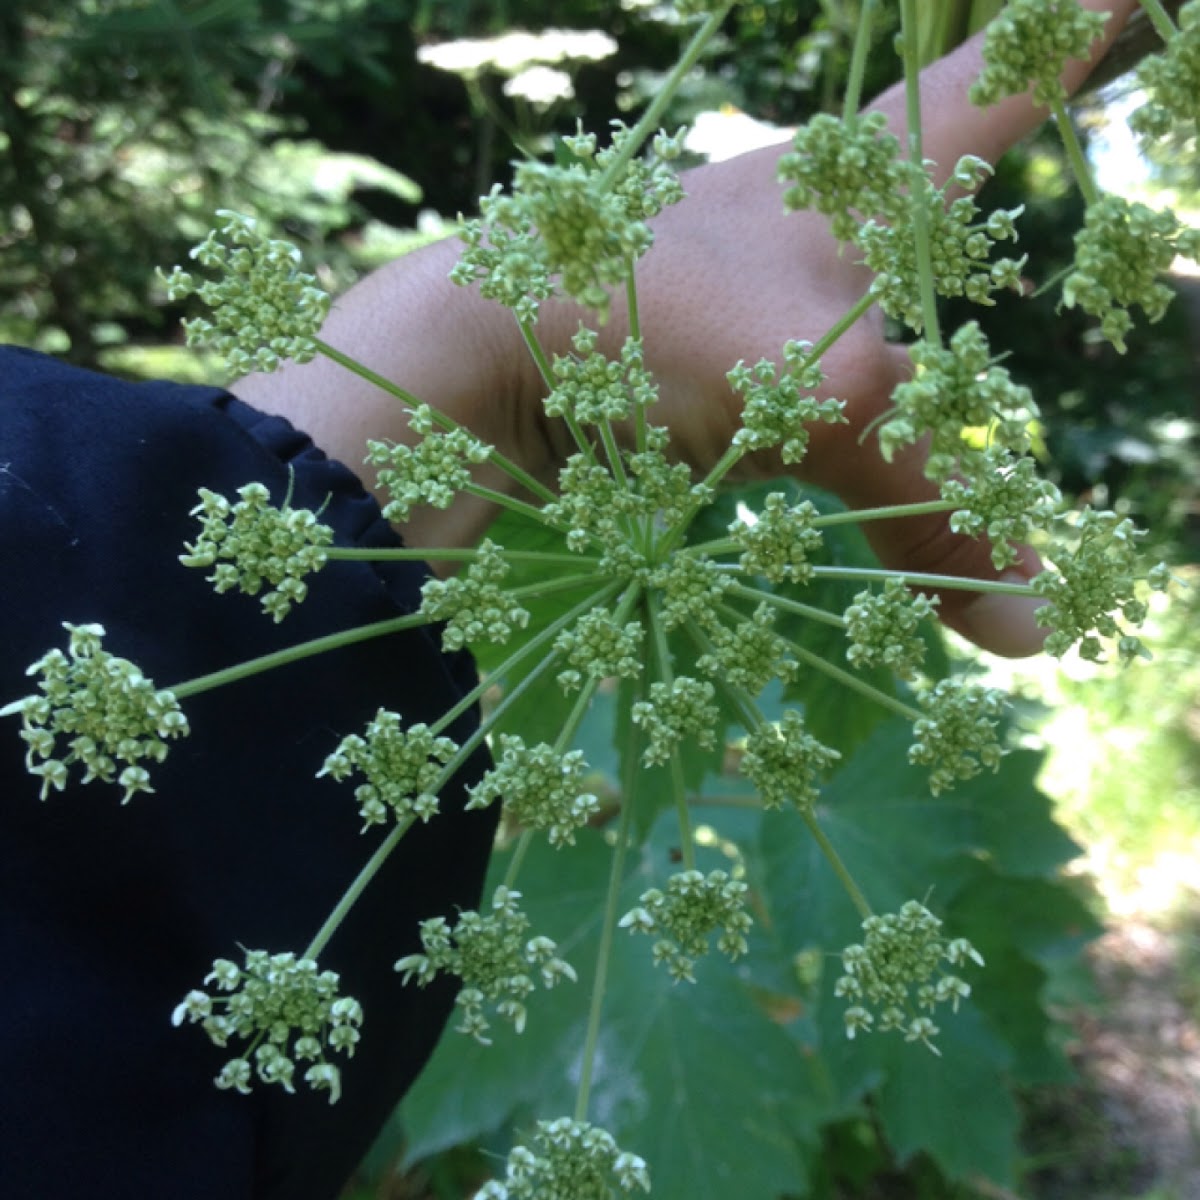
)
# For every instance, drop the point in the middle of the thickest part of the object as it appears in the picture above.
(717, 1097)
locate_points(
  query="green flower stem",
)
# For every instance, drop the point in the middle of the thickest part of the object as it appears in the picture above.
(858, 60)
(281, 658)
(583, 701)
(666, 93)
(1160, 19)
(529, 333)
(855, 516)
(961, 583)
(676, 534)
(609, 922)
(916, 155)
(564, 583)
(1075, 155)
(635, 332)
(510, 468)
(616, 463)
(835, 861)
(355, 890)
(503, 501)
(662, 653)
(849, 318)
(518, 857)
(531, 647)
(851, 681)
(448, 554)
(786, 604)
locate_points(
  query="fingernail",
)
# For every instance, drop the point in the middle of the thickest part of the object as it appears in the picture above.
(1005, 624)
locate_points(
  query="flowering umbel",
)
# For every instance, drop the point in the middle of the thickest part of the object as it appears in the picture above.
(96, 710)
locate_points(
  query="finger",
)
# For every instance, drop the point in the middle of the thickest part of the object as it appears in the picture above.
(952, 126)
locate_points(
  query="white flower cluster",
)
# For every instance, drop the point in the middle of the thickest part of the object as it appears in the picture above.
(105, 711)
(896, 971)
(264, 309)
(403, 768)
(492, 958)
(957, 736)
(475, 605)
(542, 788)
(685, 708)
(568, 1160)
(252, 545)
(287, 1009)
(684, 917)
(785, 762)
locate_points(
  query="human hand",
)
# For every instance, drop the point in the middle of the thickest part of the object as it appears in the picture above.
(731, 277)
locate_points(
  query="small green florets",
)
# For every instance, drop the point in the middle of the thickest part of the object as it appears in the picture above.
(780, 542)
(1094, 580)
(777, 405)
(883, 628)
(691, 588)
(474, 605)
(748, 654)
(960, 247)
(592, 388)
(597, 647)
(1171, 81)
(896, 971)
(686, 708)
(567, 224)
(1029, 44)
(957, 736)
(433, 471)
(568, 1160)
(287, 1009)
(264, 309)
(403, 768)
(1120, 253)
(105, 710)
(252, 545)
(683, 918)
(542, 788)
(492, 958)
(953, 388)
(1003, 499)
(846, 170)
(785, 762)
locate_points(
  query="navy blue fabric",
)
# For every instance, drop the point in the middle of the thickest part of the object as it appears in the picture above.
(109, 914)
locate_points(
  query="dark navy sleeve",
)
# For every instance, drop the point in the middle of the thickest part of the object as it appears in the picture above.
(110, 914)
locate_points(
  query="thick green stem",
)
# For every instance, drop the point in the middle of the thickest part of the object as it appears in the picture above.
(662, 652)
(281, 658)
(440, 419)
(858, 60)
(448, 554)
(835, 861)
(666, 93)
(786, 604)
(607, 928)
(1075, 155)
(886, 513)
(350, 896)
(919, 186)
(1160, 19)
(961, 583)
(846, 679)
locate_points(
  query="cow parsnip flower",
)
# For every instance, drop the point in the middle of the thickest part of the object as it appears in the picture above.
(1171, 81)
(256, 547)
(1029, 44)
(958, 736)
(685, 916)
(287, 1010)
(263, 308)
(494, 960)
(98, 711)
(894, 978)
(567, 1159)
